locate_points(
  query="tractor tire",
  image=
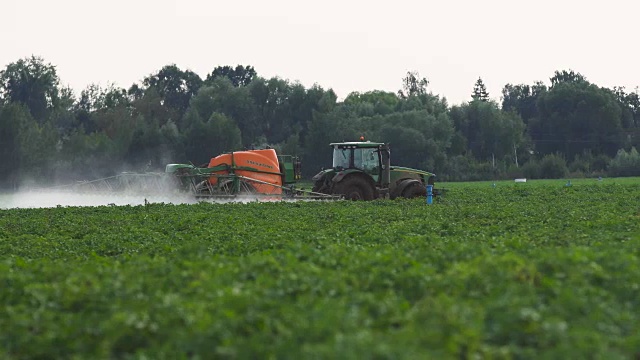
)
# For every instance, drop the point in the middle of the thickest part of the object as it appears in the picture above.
(414, 190)
(320, 187)
(354, 188)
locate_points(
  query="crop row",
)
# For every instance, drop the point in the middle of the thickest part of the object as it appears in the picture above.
(508, 272)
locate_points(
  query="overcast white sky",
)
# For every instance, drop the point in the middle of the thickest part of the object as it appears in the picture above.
(347, 45)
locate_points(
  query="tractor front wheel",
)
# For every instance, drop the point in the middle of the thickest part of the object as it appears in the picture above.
(354, 188)
(319, 187)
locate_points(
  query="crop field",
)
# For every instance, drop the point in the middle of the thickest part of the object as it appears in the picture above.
(527, 270)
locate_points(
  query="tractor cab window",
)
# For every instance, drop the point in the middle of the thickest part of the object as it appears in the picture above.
(341, 157)
(367, 159)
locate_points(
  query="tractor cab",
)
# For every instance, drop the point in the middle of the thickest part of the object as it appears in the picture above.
(362, 170)
(369, 157)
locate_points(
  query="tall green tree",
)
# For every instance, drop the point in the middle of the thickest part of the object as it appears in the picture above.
(207, 139)
(27, 148)
(32, 82)
(273, 108)
(491, 133)
(89, 156)
(119, 125)
(325, 128)
(381, 102)
(576, 116)
(630, 104)
(567, 76)
(63, 116)
(239, 76)
(175, 87)
(12, 116)
(38, 150)
(480, 91)
(522, 99)
(316, 100)
(145, 146)
(95, 100)
(413, 85)
(419, 138)
(152, 108)
(234, 102)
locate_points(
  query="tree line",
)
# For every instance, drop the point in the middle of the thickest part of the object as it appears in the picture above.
(567, 127)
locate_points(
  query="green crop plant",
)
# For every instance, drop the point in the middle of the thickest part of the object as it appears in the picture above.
(526, 270)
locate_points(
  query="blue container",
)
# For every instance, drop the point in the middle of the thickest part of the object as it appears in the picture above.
(429, 194)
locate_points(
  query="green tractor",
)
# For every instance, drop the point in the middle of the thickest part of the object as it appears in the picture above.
(362, 171)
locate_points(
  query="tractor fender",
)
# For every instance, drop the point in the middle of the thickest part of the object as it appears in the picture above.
(402, 185)
(340, 175)
(322, 181)
(319, 175)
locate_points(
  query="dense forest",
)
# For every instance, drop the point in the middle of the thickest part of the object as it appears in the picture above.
(568, 127)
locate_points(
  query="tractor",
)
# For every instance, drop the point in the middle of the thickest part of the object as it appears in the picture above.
(363, 171)
(360, 171)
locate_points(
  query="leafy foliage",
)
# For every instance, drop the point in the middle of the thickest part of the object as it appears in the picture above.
(239, 76)
(166, 119)
(578, 116)
(33, 83)
(174, 86)
(553, 166)
(516, 271)
(522, 99)
(413, 85)
(626, 163)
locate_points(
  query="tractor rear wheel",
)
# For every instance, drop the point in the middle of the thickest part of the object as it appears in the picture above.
(354, 188)
(414, 190)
